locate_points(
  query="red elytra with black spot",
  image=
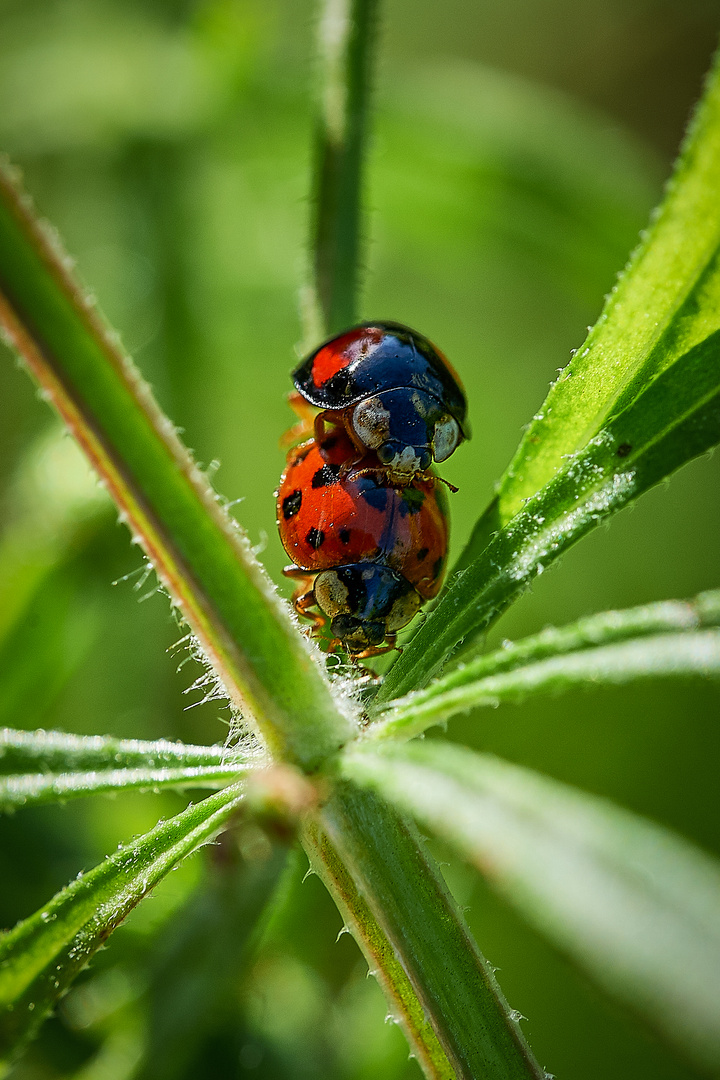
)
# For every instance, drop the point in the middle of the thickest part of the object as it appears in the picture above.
(327, 520)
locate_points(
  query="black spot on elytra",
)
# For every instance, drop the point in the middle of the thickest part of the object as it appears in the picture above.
(291, 504)
(411, 501)
(437, 568)
(373, 494)
(329, 474)
(624, 449)
(315, 538)
(422, 554)
(344, 535)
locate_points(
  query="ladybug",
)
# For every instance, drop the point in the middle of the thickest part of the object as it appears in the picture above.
(367, 553)
(392, 391)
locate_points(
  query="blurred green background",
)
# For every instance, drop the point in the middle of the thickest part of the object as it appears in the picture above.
(516, 152)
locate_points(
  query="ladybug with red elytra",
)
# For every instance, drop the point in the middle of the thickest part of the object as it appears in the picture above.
(366, 552)
(392, 391)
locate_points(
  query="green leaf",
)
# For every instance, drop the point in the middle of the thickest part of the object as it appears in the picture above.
(202, 957)
(347, 47)
(636, 907)
(466, 688)
(41, 956)
(673, 420)
(202, 558)
(663, 616)
(453, 990)
(27, 790)
(664, 305)
(640, 399)
(56, 751)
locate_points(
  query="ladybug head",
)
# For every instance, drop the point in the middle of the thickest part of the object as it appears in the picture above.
(365, 602)
(407, 429)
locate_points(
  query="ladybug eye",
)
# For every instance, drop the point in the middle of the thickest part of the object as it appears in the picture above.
(371, 422)
(447, 436)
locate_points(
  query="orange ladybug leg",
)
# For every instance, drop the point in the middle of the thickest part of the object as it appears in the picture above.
(306, 425)
(377, 650)
(302, 603)
(296, 454)
(348, 469)
(304, 597)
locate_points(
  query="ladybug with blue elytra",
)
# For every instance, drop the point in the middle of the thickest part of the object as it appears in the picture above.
(366, 552)
(393, 392)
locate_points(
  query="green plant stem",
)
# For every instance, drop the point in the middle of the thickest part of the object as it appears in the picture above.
(347, 46)
(384, 963)
(635, 906)
(662, 655)
(407, 898)
(200, 556)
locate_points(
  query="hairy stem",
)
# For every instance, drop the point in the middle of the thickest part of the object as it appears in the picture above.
(200, 555)
(347, 43)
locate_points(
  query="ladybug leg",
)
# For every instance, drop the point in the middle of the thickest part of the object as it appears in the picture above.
(306, 425)
(304, 598)
(302, 603)
(350, 431)
(297, 453)
(348, 468)
(378, 650)
(319, 426)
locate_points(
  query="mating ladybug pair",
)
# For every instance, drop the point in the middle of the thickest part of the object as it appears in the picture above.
(358, 508)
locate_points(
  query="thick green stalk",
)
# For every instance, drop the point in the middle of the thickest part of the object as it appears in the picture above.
(347, 43)
(431, 949)
(636, 907)
(384, 961)
(201, 557)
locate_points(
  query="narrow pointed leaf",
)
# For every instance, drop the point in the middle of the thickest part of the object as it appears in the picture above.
(604, 628)
(18, 791)
(662, 655)
(202, 558)
(673, 420)
(640, 399)
(58, 751)
(664, 305)
(635, 906)
(41, 956)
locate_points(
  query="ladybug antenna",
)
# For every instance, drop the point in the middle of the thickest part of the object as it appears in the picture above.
(445, 482)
